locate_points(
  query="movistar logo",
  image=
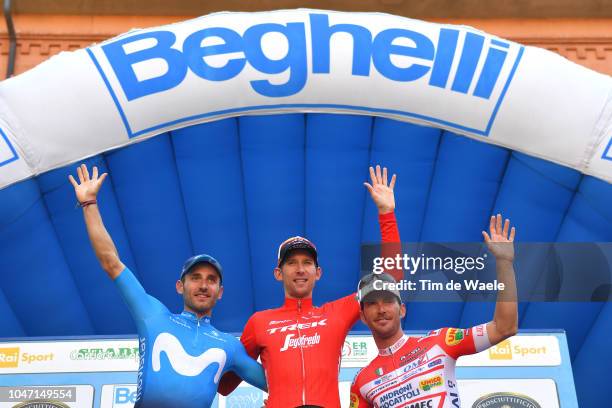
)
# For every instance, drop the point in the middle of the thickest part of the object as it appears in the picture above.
(184, 363)
(446, 59)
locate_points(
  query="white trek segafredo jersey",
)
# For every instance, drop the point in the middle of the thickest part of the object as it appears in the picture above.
(417, 372)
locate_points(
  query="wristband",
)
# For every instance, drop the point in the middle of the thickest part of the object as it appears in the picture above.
(86, 203)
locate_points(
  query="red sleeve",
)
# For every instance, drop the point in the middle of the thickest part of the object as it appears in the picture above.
(461, 342)
(347, 308)
(388, 227)
(391, 243)
(230, 380)
(357, 400)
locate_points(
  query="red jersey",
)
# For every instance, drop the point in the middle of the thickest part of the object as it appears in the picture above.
(301, 345)
(417, 372)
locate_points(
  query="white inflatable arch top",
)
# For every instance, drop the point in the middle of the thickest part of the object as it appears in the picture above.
(146, 82)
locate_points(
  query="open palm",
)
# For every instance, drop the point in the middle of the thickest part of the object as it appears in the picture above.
(381, 191)
(500, 240)
(87, 188)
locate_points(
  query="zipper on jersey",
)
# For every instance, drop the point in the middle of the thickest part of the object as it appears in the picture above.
(195, 343)
(299, 304)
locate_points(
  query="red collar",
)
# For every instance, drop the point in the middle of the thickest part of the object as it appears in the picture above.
(295, 304)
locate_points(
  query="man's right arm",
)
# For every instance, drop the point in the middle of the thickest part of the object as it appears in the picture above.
(86, 190)
(139, 302)
(381, 191)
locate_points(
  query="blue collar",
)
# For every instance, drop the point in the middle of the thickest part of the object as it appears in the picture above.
(192, 317)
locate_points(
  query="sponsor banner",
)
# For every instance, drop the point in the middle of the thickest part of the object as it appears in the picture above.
(69, 356)
(64, 396)
(481, 393)
(517, 351)
(358, 351)
(146, 82)
(528, 350)
(508, 393)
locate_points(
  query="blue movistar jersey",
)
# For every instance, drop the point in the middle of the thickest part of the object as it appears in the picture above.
(182, 357)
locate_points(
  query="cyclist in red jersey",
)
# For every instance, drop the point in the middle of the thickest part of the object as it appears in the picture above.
(300, 344)
(419, 372)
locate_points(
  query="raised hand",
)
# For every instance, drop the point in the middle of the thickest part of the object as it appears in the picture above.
(500, 241)
(87, 188)
(380, 191)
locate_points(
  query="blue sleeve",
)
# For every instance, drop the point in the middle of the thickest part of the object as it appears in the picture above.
(247, 368)
(140, 304)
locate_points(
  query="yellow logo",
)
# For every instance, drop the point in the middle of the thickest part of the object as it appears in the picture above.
(501, 351)
(9, 357)
(430, 383)
(454, 336)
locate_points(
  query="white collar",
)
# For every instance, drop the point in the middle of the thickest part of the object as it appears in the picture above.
(393, 348)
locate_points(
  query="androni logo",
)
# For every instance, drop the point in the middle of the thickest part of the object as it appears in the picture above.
(458, 60)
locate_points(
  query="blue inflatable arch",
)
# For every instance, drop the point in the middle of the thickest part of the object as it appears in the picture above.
(237, 187)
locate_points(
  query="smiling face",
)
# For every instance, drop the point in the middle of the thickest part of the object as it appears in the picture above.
(201, 288)
(382, 313)
(298, 273)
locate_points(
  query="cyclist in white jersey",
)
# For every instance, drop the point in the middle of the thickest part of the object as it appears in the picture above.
(419, 372)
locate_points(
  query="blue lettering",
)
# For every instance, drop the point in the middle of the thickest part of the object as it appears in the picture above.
(321, 38)
(124, 396)
(490, 72)
(295, 60)
(195, 53)
(127, 54)
(123, 64)
(445, 54)
(467, 64)
(384, 48)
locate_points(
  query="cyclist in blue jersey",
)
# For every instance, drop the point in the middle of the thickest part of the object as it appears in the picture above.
(182, 356)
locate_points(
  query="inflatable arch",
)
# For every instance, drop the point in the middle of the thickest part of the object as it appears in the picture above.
(297, 104)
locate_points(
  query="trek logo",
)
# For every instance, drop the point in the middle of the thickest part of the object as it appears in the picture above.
(296, 326)
(303, 341)
(182, 362)
(294, 53)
